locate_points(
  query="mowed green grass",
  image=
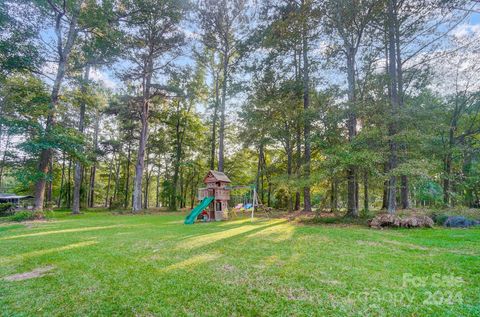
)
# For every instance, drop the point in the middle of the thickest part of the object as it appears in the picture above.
(154, 265)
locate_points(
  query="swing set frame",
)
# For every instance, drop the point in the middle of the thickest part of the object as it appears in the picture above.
(256, 202)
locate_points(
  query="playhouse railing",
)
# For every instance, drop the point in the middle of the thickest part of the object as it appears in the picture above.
(220, 194)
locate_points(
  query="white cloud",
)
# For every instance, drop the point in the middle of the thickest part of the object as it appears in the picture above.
(103, 78)
(466, 30)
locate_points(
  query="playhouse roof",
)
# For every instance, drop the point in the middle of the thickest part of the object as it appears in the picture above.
(219, 176)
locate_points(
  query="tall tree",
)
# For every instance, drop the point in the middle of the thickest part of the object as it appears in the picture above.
(394, 103)
(221, 21)
(66, 18)
(94, 50)
(349, 19)
(154, 37)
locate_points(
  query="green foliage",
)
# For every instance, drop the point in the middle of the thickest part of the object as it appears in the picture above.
(6, 209)
(19, 51)
(24, 215)
(429, 192)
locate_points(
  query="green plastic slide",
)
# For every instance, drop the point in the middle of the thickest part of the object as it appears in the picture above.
(197, 210)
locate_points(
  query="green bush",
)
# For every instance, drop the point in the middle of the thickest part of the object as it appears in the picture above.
(27, 215)
(116, 204)
(7, 209)
(439, 219)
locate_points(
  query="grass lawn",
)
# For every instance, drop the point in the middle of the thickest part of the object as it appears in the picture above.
(154, 265)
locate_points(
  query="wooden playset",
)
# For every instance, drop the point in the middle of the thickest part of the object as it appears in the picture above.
(215, 197)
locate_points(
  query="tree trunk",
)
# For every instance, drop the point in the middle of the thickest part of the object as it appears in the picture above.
(404, 202)
(298, 136)
(145, 194)
(334, 195)
(192, 188)
(116, 188)
(385, 188)
(62, 182)
(157, 192)
(392, 72)
(85, 193)
(289, 172)
(365, 192)
(269, 194)
(43, 169)
(139, 167)
(446, 180)
(147, 183)
(78, 165)
(93, 170)
(352, 193)
(63, 55)
(404, 192)
(182, 188)
(299, 164)
(221, 141)
(127, 181)
(4, 160)
(259, 170)
(466, 169)
(110, 172)
(178, 155)
(49, 189)
(214, 124)
(69, 187)
(306, 129)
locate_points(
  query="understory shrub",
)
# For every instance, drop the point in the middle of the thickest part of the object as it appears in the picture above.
(27, 215)
(6, 209)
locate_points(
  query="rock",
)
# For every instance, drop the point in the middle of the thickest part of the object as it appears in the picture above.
(384, 220)
(416, 222)
(460, 222)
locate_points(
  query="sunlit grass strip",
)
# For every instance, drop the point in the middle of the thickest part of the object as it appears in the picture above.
(32, 254)
(199, 241)
(193, 261)
(44, 233)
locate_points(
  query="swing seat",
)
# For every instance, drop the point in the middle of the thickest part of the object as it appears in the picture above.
(248, 206)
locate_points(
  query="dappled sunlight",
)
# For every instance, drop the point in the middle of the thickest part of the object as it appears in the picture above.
(235, 222)
(407, 245)
(199, 241)
(278, 233)
(32, 254)
(193, 261)
(269, 261)
(177, 222)
(44, 233)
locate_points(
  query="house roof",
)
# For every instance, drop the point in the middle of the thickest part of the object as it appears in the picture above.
(13, 196)
(219, 176)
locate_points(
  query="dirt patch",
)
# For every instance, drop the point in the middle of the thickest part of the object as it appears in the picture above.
(228, 268)
(407, 245)
(38, 272)
(369, 243)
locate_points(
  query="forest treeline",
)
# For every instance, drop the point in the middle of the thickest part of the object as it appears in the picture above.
(329, 105)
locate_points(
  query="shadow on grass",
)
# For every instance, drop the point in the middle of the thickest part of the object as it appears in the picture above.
(209, 238)
(336, 220)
